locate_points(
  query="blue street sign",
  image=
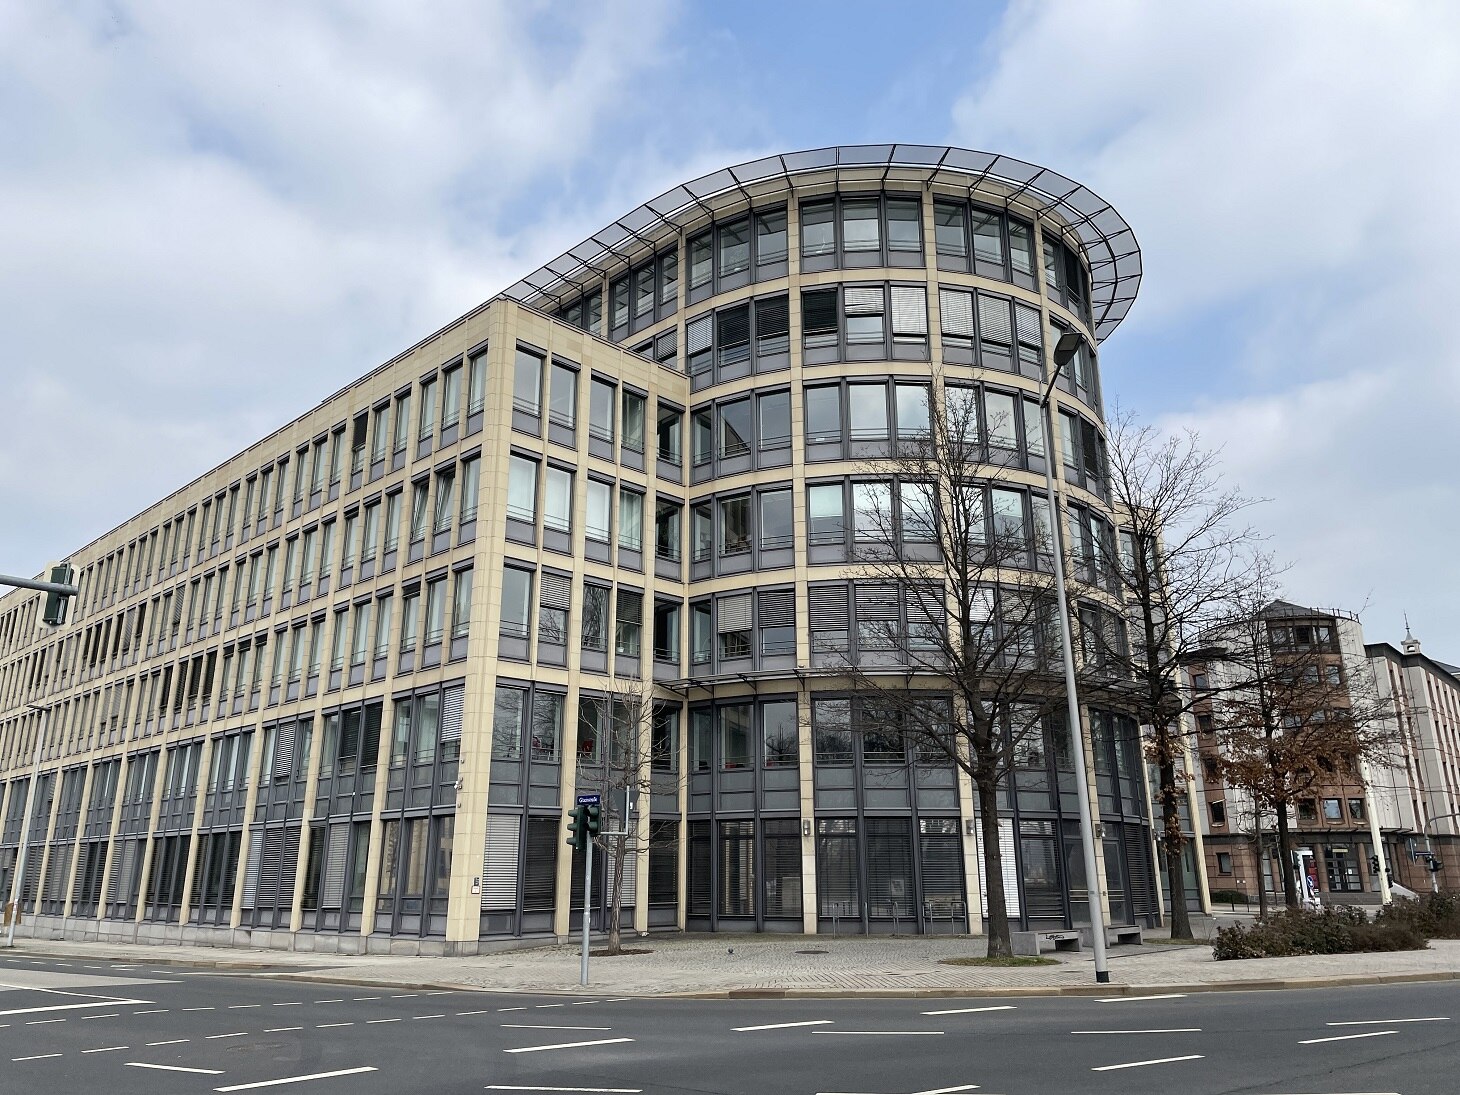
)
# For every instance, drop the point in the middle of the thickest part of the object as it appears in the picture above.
(587, 800)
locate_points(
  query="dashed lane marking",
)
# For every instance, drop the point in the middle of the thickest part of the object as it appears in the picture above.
(544, 1026)
(170, 1042)
(1142, 1064)
(43, 1022)
(1386, 1022)
(236, 1007)
(471, 1013)
(327, 1026)
(235, 1034)
(198, 1009)
(280, 1030)
(568, 1045)
(337, 1001)
(440, 1016)
(154, 1011)
(783, 1026)
(36, 1057)
(406, 996)
(298, 1079)
(360, 999)
(1138, 999)
(108, 1015)
(908, 1033)
(289, 1004)
(1163, 1030)
(106, 1049)
(604, 1090)
(370, 1022)
(512, 1009)
(176, 1068)
(1346, 1037)
(969, 1011)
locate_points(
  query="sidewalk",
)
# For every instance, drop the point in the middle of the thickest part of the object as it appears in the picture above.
(798, 966)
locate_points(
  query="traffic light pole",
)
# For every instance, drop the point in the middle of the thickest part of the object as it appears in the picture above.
(587, 909)
(33, 583)
(17, 881)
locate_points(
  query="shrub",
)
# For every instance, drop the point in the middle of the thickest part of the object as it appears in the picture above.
(1229, 897)
(1334, 930)
(1433, 915)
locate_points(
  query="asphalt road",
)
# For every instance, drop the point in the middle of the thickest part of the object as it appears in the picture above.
(117, 1028)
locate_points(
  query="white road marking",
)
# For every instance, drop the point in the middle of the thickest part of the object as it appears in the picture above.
(784, 1026)
(1134, 999)
(298, 1079)
(512, 1009)
(155, 1011)
(36, 1057)
(279, 1030)
(1386, 1022)
(471, 1013)
(326, 1026)
(106, 1049)
(235, 1034)
(442, 1015)
(368, 1022)
(169, 1042)
(406, 996)
(198, 1009)
(545, 1026)
(105, 1001)
(1142, 1064)
(568, 1045)
(1163, 1030)
(176, 1068)
(931, 1091)
(1347, 1037)
(879, 1032)
(289, 1004)
(235, 1007)
(549, 1005)
(43, 1022)
(360, 998)
(967, 1011)
(108, 1015)
(604, 1090)
(329, 1001)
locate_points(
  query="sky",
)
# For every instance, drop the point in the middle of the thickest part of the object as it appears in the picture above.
(214, 216)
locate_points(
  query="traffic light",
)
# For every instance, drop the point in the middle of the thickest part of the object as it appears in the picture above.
(54, 614)
(593, 815)
(1434, 862)
(1373, 864)
(578, 827)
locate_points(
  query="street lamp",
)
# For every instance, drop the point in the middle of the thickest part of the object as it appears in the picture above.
(1065, 349)
(18, 879)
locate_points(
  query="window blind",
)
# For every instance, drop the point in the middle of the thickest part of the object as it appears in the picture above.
(734, 613)
(452, 701)
(909, 310)
(500, 862)
(993, 319)
(863, 300)
(828, 606)
(777, 607)
(957, 310)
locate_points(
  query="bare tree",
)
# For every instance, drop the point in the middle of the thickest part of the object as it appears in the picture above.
(957, 643)
(1185, 559)
(634, 755)
(1291, 718)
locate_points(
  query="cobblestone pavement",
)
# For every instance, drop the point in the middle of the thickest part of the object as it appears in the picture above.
(711, 964)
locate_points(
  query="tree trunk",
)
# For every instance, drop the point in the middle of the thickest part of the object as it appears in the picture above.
(1261, 849)
(616, 896)
(999, 945)
(1285, 858)
(1172, 843)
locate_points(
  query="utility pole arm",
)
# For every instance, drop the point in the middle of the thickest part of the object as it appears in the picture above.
(44, 587)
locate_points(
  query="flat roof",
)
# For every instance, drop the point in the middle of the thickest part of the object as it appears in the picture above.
(1082, 216)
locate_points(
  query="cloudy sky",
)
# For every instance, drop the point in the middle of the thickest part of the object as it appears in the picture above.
(213, 216)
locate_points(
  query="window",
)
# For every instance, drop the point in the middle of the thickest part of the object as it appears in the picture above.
(671, 422)
(1224, 863)
(471, 487)
(436, 609)
(527, 383)
(903, 229)
(820, 322)
(865, 309)
(427, 426)
(733, 626)
(599, 505)
(664, 739)
(700, 432)
(1307, 810)
(1356, 809)
(557, 502)
(628, 623)
(590, 729)
(735, 525)
(420, 491)
(410, 610)
(547, 725)
(633, 421)
(666, 631)
(601, 397)
(516, 601)
(734, 734)
(618, 304)
(522, 489)
(872, 511)
(1332, 809)
(702, 538)
(774, 412)
(826, 513)
(823, 415)
(948, 230)
(735, 428)
(778, 720)
(734, 240)
(867, 407)
(860, 226)
(831, 728)
(595, 617)
(1218, 811)
(668, 517)
(770, 237)
(461, 605)
(777, 528)
(912, 411)
(476, 385)
(630, 520)
(700, 633)
(701, 260)
(508, 710)
(919, 511)
(445, 500)
(563, 398)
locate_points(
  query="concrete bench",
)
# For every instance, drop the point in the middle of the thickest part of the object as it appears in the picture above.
(1114, 936)
(1032, 942)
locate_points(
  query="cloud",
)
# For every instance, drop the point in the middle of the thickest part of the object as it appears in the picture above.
(1285, 167)
(213, 216)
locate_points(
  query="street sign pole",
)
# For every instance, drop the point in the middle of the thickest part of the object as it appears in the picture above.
(587, 800)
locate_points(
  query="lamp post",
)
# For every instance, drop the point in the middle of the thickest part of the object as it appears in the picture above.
(18, 879)
(1068, 345)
